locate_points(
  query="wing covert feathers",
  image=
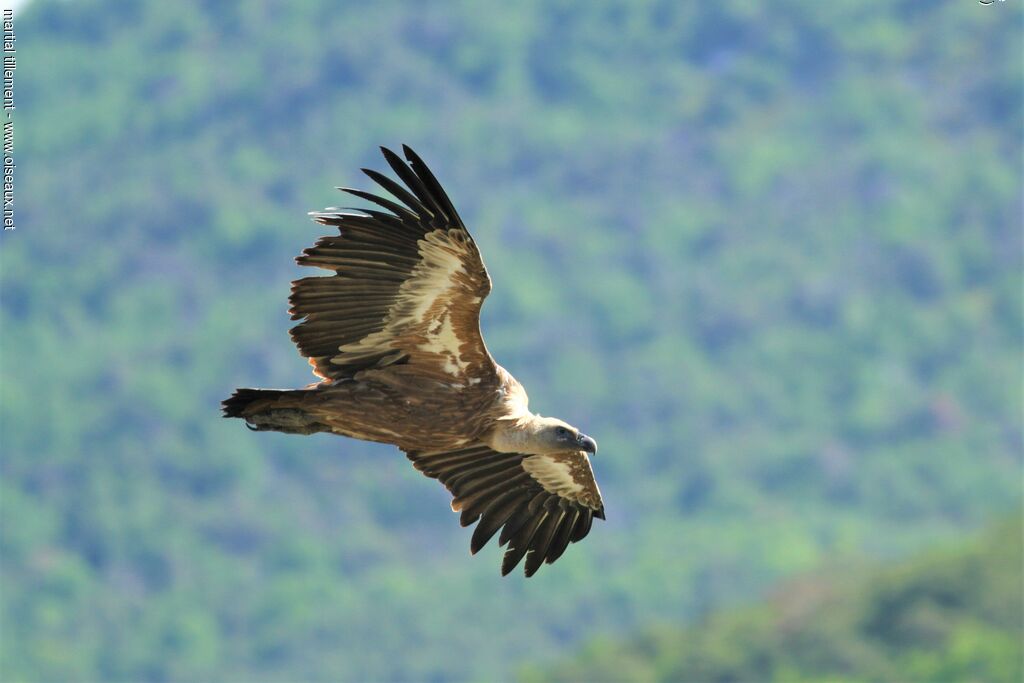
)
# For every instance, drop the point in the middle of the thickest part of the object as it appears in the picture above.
(540, 503)
(407, 287)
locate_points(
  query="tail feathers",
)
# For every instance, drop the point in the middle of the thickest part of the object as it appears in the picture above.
(273, 410)
(243, 398)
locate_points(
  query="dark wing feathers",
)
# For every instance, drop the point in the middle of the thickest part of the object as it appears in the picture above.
(521, 542)
(542, 540)
(399, 193)
(433, 187)
(560, 539)
(539, 507)
(407, 287)
(494, 517)
(395, 208)
(582, 526)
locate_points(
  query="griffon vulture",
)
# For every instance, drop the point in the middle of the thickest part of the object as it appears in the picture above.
(394, 335)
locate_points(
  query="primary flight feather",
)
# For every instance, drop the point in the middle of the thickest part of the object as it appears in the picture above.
(394, 335)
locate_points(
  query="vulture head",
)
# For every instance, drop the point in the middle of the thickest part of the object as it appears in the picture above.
(551, 435)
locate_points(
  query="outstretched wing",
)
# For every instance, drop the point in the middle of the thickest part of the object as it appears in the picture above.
(541, 503)
(407, 287)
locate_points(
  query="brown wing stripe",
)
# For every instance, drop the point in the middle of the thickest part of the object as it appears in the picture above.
(477, 467)
(443, 461)
(470, 477)
(474, 506)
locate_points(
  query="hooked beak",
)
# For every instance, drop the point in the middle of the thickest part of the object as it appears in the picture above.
(586, 443)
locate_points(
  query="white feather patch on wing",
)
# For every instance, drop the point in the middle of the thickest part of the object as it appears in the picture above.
(441, 339)
(432, 279)
(554, 475)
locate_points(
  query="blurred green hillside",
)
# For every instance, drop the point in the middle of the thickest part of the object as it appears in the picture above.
(952, 615)
(770, 257)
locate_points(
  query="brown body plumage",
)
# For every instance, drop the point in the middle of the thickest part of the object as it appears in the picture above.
(394, 335)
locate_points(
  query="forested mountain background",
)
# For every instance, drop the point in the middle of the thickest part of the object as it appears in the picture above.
(769, 255)
(952, 614)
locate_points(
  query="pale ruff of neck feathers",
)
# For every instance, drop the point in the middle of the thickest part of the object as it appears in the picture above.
(514, 431)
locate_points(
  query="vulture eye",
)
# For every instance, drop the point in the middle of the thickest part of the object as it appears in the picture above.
(562, 432)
